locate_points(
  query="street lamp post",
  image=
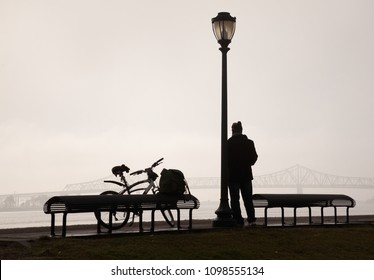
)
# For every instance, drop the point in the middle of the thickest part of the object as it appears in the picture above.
(224, 29)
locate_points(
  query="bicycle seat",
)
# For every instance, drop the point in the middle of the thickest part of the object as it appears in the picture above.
(118, 170)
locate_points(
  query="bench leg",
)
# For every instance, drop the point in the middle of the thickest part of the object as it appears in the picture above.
(98, 227)
(110, 222)
(53, 219)
(336, 215)
(190, 220)
(282, 212)
(294, 216)
(310, 214)
(64, 224)
(266, 216)
(347, 221)
(178, 219)
(153, 220)
(141, 229)
(322, 218)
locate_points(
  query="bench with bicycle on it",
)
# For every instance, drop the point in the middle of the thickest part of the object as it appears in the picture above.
(113, 209)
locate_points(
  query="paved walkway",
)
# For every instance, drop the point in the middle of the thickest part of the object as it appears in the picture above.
(23, 235)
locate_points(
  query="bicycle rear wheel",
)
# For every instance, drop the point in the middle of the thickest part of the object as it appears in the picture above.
(168, 216)
(119, 218)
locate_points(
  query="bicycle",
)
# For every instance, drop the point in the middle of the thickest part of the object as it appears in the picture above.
(130, 189)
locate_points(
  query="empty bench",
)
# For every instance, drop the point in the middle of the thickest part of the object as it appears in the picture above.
(296, 201)
(112, 203)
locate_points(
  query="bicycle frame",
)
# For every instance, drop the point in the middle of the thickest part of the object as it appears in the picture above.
(131, 188)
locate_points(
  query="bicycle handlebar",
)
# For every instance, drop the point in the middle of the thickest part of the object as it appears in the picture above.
(146, 170)
(157, 162)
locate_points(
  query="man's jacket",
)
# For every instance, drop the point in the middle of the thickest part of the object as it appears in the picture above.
(241, 156)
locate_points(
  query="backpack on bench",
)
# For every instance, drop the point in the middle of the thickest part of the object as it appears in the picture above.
(172, 181)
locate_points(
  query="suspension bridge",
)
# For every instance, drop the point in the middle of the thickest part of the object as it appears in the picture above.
(296, 177)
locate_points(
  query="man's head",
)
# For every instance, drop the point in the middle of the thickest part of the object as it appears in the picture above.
(237, 128)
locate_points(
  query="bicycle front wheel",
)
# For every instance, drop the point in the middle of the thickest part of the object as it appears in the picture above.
(119, 218)
(168, 216)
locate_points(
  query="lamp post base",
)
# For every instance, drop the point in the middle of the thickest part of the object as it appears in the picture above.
(224, 215)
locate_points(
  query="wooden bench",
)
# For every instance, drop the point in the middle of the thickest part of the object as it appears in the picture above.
(296, 201)
(112, 203)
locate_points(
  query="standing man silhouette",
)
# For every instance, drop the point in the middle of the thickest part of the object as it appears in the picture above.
(241, 156)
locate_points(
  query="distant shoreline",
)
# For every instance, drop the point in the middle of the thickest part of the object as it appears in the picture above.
(21, 209)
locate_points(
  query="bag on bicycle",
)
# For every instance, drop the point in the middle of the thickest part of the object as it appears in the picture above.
(172, 182)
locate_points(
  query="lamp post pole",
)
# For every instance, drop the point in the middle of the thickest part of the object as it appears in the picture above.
(224, 29)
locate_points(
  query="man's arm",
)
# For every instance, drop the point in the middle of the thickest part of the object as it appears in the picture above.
(252, 153)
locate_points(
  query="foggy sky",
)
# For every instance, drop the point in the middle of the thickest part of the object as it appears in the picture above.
(86, 85)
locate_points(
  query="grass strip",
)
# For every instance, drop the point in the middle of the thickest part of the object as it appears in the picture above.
(349, 242)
